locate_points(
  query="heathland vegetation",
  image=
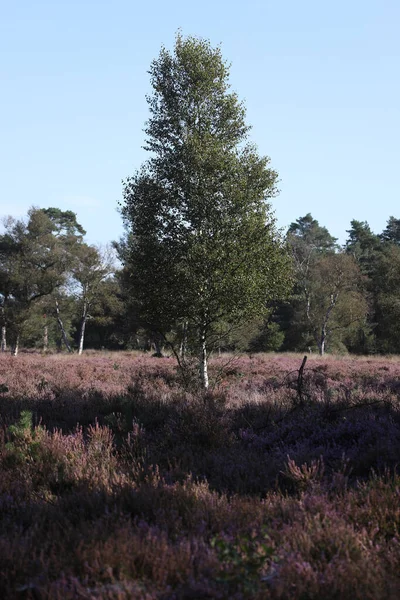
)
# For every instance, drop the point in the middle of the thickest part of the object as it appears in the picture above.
(115, 482)
(174, 459)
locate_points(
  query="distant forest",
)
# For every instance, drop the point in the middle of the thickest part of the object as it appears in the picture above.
(56, 291)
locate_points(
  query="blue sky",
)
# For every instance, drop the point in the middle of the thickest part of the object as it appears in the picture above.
(320, 81)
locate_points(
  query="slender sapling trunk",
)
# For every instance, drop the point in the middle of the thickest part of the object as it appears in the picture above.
(3, 339)
(16, 346)
(83, 327)
(203, 360)
(45, 338)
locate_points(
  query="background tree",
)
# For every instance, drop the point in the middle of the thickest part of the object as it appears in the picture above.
(377, 256)
(328, 297)
(107, 326)
(385, 286)
(267, 337)
(70, 234)
(308, 241)
(8, 251)
(334, 300)
(363, 245)
(32, 264)
(307, 235)
(90, 268)
(202, 247)
(391, 233)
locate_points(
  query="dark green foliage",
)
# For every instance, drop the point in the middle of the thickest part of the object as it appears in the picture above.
(24, 445)
(65, 222)
(32, 266)
(386, 286)
(242, 562)
(36, 257)
(269, 338)
(378, 257)
(363, 244)
(392, 232)
(107, 328)
(308, 234)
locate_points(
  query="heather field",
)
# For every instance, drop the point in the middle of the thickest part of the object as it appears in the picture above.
(117, 481)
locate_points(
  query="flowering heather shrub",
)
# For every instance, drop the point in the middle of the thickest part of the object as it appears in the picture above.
(115, 482)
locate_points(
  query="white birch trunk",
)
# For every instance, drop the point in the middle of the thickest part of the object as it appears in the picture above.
(16, 347)
(3, 339)
(45, 338)
(83, 327)
(324, 329)
(203, 361)
(322, 345)
(3, 330)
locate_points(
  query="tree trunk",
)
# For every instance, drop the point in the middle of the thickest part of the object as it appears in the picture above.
(3, 346)
(16, 346)
(45, 338)
(157, 346)
(3, 339)
(60, 323)
(83, 327)
(182, 349)
(324, 328)
(203, 360)
(322, 341)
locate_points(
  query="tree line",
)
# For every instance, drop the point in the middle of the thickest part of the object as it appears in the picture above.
(56, 290)
(201, 265)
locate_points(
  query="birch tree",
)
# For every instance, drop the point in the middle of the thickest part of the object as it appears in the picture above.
(334, 298)
(329, 295)
(91, 267)
(201, 246)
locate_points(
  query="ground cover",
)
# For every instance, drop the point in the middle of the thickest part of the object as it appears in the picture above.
(117, 482)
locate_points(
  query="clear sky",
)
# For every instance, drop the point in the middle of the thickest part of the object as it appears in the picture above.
(321, 82)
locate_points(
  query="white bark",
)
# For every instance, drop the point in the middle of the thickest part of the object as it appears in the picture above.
(83, 327)
(16, 347)
(3, 339)
(203, 360)
(3, 345)
(45, 338)
(324, 330)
